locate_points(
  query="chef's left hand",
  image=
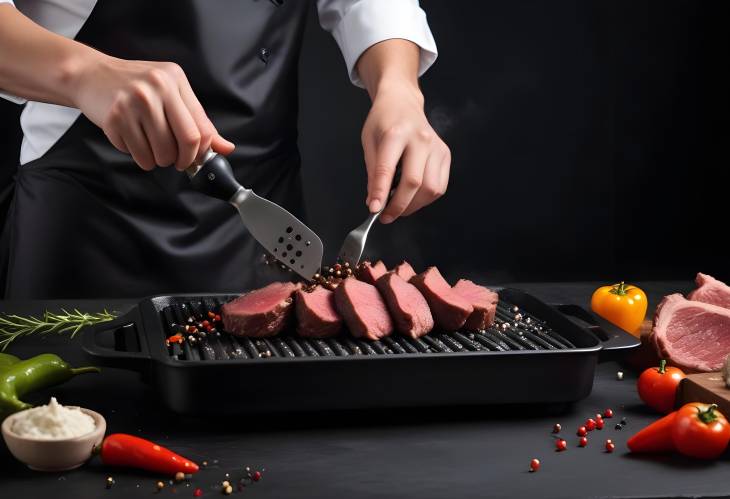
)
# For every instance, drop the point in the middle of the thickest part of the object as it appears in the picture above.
(397, 130)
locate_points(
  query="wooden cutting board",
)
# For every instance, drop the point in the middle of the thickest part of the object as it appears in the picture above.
(705, 387)
(644, 356)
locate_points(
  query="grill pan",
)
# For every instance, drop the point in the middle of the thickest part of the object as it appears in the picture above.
(549, 356)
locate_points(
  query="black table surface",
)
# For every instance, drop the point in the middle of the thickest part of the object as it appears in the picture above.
(424, 453)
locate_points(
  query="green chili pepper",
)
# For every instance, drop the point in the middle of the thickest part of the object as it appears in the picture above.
(30, 375)
(7, 360)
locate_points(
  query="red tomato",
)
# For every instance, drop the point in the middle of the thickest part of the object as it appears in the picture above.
(700, 430)
(658, 386)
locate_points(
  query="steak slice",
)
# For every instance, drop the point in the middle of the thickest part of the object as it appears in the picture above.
(484, 301)
(363, 309)
(448, 307)
(710, 290)
(316, 313)
(371, 272)
(404, 271)
(693, 335)
(259, 313)
(406, 304)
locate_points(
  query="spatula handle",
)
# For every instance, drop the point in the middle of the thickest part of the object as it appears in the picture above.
(214, 177)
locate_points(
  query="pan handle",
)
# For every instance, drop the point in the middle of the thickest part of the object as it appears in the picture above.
(110, 357)
(614, 339)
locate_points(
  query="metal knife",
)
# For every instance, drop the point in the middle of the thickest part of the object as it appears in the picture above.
(282, 234)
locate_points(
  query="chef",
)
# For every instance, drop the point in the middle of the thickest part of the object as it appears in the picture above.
(120, 96)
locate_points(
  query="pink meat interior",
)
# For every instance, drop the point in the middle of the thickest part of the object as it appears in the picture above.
(695, 333)
(262, 300)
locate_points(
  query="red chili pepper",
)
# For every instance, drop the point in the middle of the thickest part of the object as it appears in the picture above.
(561, 444)
(590, 425)
(129, 451)
(583, 441)
(534, 465)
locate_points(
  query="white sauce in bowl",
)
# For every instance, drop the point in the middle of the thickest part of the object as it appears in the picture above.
(53, 422)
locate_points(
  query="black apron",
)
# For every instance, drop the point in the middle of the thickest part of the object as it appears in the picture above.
(85, 221)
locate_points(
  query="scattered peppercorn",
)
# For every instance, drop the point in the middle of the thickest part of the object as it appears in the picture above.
(583, 441)
(205, 463)
(618, 426)
(228, 490)
(590, 424)
(609, 446)
(109, 482)
(623, 421)
(619, 375)
(198, 492)
(582, 431)
(608, 413)
(557, 428)
(160, 485)
(225, 484)
(534, 465)
(599, 424)
(561, 445)
(179, 476)
(256, 476)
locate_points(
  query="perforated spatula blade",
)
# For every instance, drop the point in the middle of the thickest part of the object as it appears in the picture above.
(282, 234)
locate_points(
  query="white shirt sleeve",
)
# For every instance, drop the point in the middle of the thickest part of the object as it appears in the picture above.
(358, 24)
(9, 97)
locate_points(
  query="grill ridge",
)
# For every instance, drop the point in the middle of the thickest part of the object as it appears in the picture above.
(512, 331)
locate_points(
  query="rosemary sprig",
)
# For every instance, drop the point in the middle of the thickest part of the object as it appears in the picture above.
(14, 326)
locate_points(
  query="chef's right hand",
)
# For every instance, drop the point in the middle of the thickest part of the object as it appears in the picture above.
(147, 109)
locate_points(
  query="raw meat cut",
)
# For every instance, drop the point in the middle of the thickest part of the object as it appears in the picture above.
(363, 309)
(259, 313)
(484, 301)
(407, 306)
(370, 272)
(448, 307)
(405, 271)
(692, 335)
(710, 290)
(316, 313)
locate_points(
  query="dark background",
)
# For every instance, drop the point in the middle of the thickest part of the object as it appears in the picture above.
(589, 140)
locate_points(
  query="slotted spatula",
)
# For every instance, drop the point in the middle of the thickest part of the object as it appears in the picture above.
(282, 234)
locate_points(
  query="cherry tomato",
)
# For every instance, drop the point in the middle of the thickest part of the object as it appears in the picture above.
(581, 431)
(658, 386)
(700, 430)
(583, 441)
(534, 465)
(561, 444)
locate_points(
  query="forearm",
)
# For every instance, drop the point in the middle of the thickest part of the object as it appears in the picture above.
(37, 64)
(388, 64)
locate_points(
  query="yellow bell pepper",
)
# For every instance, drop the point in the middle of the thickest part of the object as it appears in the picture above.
(621, 304)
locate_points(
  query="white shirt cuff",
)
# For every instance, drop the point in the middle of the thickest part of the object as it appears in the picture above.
(368, 22)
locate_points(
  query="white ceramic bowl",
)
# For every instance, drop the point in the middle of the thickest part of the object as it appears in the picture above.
(54, 455)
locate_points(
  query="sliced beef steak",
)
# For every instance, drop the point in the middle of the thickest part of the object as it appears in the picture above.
(405, 271)
(691, 334)
(262, 312)
(448, 307)
(316, 313)
(363, 309)
(484, 301)
(370, 272)
(406, 304)
(710, 290)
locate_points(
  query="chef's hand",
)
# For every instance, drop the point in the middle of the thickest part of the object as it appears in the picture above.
(147, 109)
(397, 130)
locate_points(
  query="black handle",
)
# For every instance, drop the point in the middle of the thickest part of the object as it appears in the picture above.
(614, 339)
(214, 178)
(110, 357)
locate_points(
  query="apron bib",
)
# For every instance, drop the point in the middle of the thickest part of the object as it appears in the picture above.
(87, 221)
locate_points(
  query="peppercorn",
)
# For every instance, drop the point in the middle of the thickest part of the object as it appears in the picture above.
(225, 484)
(109, 482)
(557, 428)
(179, 476)
(623, 421)
(619, 375)
(608, 413)
(561, 445)
(160, 485)
(590, 424)
(228, 490)
(599, 424)
(618, 426)
(198, 492)
(610, 446)
(256, 476)
(534, 465)
(583, 441)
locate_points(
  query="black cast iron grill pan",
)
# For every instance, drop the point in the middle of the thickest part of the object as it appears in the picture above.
(548, 356)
